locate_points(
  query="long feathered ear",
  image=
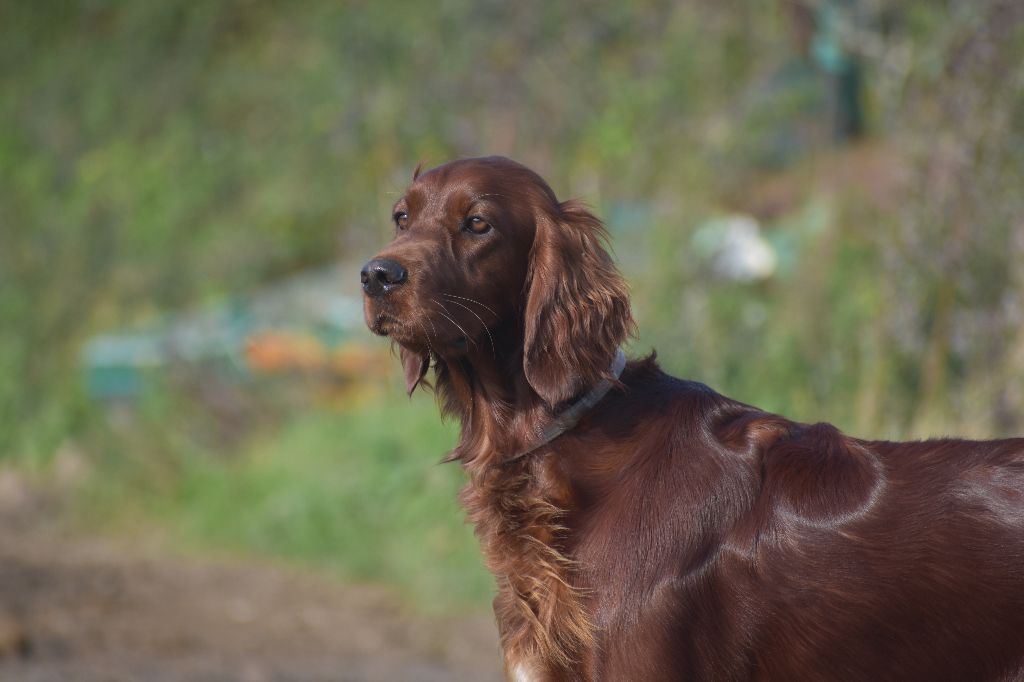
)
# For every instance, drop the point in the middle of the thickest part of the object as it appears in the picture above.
(415, 365)
(577, 305)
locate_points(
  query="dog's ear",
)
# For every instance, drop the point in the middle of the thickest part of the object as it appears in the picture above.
(577, 306)
(415, 365)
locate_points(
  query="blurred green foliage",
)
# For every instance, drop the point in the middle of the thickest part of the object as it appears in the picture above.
(156, 156)
(348, 491)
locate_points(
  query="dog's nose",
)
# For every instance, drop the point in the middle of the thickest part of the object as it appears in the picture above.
(381, 275)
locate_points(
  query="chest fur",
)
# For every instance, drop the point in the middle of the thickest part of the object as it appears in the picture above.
(519, 512)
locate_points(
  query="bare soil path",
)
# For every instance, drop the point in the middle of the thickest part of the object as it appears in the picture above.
(90, 610)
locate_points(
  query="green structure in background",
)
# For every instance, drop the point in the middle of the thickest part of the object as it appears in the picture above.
(834, 21)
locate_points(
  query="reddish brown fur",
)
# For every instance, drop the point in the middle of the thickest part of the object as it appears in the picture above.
(675, 534)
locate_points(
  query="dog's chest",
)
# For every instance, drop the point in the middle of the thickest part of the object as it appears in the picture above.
(541, 607)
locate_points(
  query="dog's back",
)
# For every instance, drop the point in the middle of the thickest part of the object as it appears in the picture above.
(734, 544)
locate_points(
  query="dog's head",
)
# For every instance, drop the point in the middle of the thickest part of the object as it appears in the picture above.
(486, 260)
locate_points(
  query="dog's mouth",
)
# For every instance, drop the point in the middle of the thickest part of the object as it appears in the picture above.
(389, 325)
(412, 331)
(384, 324)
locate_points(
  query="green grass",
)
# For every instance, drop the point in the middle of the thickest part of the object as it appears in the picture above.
(359, 492)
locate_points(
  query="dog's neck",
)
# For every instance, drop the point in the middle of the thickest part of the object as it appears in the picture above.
(486, 389)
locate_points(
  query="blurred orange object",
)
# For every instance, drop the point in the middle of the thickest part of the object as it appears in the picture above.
(278, 352)
(273, 352)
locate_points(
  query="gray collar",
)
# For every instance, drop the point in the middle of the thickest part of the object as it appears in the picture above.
(572, 414)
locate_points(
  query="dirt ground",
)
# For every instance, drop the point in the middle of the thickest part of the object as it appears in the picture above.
(87, 609)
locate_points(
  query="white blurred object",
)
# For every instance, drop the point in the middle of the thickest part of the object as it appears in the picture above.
(736, 249)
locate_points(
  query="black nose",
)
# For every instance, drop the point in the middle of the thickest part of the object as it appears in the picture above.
(381, 275)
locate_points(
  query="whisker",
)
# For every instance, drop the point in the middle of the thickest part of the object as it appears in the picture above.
(433, 327)
(427, 334)
(482, 323)
(453, 321)
(472, 300)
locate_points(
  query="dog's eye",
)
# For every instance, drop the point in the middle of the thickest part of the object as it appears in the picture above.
(476, 225)
(401, 219)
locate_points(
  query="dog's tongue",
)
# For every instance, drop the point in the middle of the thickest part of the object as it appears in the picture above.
(415, 366)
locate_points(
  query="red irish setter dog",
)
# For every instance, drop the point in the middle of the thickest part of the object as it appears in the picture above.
(642, 527)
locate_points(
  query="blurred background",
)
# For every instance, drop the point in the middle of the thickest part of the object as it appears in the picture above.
(208, 468)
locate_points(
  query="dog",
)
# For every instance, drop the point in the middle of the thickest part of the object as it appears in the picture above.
(645, 528)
